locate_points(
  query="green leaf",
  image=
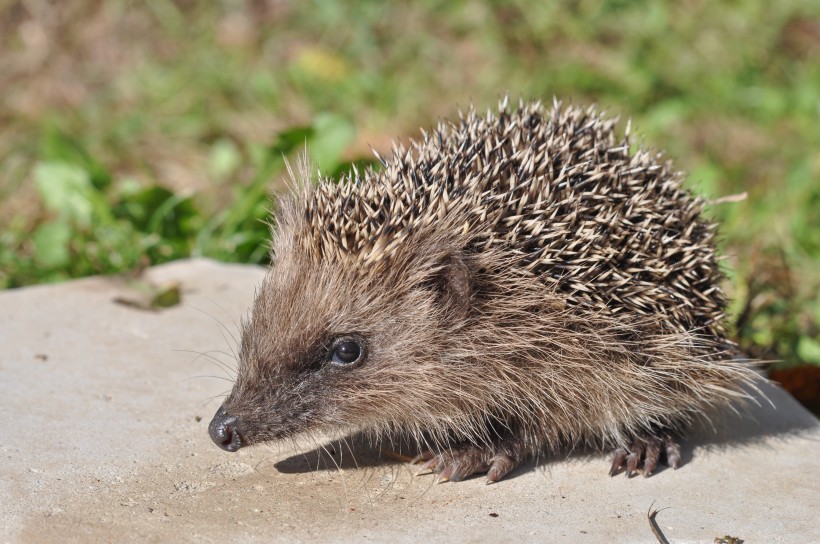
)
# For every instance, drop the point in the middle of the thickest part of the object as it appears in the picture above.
(705, 179)
(288, 140)
(332, 136)
(808, 349)
(56, 146)
(66, 189)
(224, 159)
(51, 244)
(664, 116)
(157, 210)
(167, 297)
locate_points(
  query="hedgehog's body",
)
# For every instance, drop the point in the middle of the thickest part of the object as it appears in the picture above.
(513, 284)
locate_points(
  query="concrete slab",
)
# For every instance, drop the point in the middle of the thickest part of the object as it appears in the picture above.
(104, 439)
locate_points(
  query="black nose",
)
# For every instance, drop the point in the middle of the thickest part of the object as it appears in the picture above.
(223, 431)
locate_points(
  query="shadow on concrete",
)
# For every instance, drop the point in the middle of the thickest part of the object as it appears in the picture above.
(771, 413)
(358, 452)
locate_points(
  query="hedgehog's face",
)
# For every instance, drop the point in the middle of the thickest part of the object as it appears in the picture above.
(331, 349)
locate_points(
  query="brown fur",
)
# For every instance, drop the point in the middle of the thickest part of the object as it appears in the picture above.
(520, 282)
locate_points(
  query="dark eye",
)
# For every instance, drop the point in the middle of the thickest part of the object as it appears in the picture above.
(346, 352)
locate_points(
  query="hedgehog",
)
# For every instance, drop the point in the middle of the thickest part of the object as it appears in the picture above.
(510, 285)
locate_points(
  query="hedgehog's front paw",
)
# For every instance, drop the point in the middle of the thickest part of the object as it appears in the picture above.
(462, 461)
(646, 448)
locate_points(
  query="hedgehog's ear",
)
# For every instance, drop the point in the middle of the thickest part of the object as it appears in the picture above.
(454, 285)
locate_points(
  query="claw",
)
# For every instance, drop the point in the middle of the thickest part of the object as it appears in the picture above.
(635, 455)
(672, 453)
(653, 454)
(445, 474)
(460, 462)
(618, 461)
(646, 449)
(501, 466)
(631, 464)
(428, 467)
(440, 480)
(423, 456)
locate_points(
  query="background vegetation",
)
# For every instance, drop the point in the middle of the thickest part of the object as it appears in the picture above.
(133, 133)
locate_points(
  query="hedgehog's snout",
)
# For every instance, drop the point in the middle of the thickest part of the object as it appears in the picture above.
(223, 430)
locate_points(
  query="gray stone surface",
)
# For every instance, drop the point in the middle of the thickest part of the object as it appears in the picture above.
(104, 415)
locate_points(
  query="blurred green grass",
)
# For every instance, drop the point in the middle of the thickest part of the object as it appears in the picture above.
(136, 133)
